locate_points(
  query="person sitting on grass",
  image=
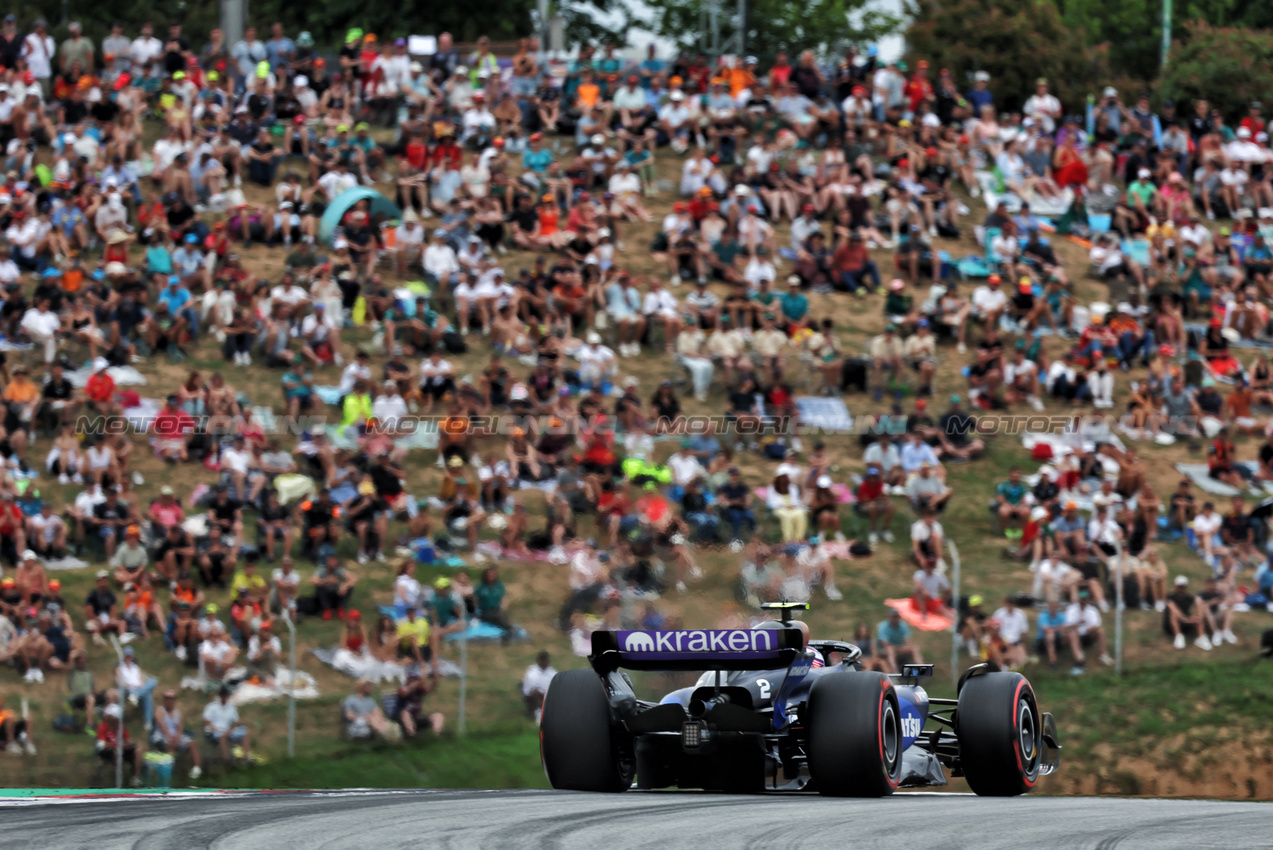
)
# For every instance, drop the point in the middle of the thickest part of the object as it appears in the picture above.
(362, 713)
(170, 734)
(334, 586)
(1185, 618)
(409, 707)
(1085, 619)
(893, 643)
(417, 639)
(953, 429)
(873, 504)
(927, 538)
(82, 693)
(216, 654)
(931, 590)
(221, 726)
(535, 684)
(109, 738)
(1011, 504)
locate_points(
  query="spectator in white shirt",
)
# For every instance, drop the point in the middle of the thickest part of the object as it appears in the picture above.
(660, 306)
(221, 725)
(440, 261)
(410, 241)
(535, 684)
(597, 362)
(1042, 107)
(136, 686)
(928, 539)
(477, 124)
(354, 372)
(1085, 619)
(216, 654)
(145, 48)
(37, 52)
(1013, 628)
(684, 466)
(389, 407)
(41, 325)
(884, 454)
(988, 301)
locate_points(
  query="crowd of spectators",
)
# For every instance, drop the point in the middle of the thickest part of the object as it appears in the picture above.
(148, 182)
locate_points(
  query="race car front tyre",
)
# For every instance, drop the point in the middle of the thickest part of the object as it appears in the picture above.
(580, 748)
(1000, 734)
(855, 735)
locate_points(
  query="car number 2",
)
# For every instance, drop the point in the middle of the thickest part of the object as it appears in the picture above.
(763, 684)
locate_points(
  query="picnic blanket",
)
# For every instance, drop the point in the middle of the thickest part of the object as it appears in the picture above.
(496, 552)
(1063, 444)
(245, 692)
(923, 622)
(418, 439)
(328, 394)
(993, 194)
(1199, 474)
(362, 666)
(305, 688)
(141, 417)
(124, 376)
(480, 632)
(825, 412)
(67, 562)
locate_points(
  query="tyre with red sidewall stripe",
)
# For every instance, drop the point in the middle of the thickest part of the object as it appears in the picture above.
(854, 735)
(1000, 734)
(580, 748)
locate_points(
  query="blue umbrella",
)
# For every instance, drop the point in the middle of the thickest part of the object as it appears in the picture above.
(380, 205)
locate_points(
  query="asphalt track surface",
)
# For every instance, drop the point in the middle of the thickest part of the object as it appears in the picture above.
(542, 819)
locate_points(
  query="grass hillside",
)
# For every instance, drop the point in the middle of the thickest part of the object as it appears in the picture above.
(1178, 723)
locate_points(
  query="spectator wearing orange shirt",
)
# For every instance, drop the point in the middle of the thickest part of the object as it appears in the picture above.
(741, 76)
(140, 606)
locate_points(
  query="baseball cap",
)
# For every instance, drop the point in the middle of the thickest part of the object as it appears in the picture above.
(824, 480)
(1181, 581)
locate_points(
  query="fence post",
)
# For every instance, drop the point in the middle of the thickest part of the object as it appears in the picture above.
(954, 626)
(1118, 608)
(119, 690)
(291, 691)
(464, 670)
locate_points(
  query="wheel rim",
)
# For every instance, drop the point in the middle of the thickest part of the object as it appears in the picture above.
(889, 729)
(1027, 737)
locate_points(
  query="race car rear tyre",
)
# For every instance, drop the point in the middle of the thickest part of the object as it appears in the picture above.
(855, 735)
(1000, 734)
(581, 749)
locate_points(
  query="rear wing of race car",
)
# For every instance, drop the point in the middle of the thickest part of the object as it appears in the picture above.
(695, 649)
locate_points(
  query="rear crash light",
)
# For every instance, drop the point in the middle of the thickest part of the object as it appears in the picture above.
(693, 734)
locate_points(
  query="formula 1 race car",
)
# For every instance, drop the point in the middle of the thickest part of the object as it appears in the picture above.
(769, 714)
